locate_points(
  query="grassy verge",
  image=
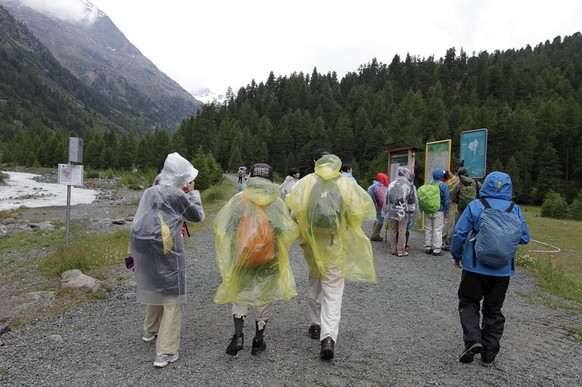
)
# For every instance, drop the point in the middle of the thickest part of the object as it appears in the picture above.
(111, 248)
(558, 272)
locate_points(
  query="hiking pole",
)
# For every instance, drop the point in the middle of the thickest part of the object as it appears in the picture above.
(187, 231)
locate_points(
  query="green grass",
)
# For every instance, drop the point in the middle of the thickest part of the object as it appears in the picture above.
(88, 251)
(558, 272)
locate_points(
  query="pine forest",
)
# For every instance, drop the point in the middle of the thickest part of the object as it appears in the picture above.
(529, 99)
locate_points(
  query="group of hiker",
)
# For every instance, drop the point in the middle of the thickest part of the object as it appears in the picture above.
(324, 210)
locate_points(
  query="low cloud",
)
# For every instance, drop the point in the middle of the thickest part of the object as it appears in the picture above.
(74, 11)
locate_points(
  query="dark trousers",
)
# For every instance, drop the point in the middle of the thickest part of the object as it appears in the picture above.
(472, 289)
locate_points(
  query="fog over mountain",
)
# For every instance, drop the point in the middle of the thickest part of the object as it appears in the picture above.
(86, 42)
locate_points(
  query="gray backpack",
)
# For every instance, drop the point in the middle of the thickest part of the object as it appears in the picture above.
(498, 236)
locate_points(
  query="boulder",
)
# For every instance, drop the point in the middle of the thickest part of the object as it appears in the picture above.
(77, 280)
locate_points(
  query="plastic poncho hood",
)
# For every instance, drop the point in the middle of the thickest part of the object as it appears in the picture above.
(345, 245)
(328, 167)
(260, 282)
(177, 171)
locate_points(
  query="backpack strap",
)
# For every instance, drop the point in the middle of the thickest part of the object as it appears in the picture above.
(510, 208)
(486, 205)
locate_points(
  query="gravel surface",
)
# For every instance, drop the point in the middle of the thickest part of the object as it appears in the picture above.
(404, 330)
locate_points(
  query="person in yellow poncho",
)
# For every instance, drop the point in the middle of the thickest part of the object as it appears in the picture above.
(254, 232)
(330, 210)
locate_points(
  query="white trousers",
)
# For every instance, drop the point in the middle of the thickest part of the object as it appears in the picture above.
(324, 299)
(433, 230)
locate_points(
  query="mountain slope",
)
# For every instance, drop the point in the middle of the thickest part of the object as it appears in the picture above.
(37, 93)
(96, 52)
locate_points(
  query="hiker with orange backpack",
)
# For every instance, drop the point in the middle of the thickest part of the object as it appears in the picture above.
(254, 232)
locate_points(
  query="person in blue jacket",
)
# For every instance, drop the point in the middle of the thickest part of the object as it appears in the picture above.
(480, 282)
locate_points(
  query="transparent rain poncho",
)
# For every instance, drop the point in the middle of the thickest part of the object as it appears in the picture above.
(156, 240)
(342, 244)
(254, 281)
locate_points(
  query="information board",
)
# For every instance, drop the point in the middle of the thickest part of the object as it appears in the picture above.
(473, 152)
(70, 174)
(438, 155)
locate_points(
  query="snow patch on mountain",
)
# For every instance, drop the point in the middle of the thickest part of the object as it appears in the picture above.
(206, 96)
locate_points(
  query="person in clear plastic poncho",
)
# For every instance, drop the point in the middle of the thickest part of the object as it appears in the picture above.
(157, 245)
(330, 210)
(254, 232)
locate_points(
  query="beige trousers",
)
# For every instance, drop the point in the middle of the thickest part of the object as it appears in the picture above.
(166, 321)
(262, 312)
(398, 235)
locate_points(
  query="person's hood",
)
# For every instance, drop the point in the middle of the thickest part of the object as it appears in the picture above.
(463, 172)
(382, 178)
(497, 185)
(438, 175)
(260, 191)
(466, 180)
(328, 167)
(289, 178)
(177, 171)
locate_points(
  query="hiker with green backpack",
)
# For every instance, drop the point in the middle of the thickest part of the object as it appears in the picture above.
(465, 192)
(433, 199)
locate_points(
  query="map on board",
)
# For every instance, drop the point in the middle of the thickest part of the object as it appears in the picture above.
(438, 155)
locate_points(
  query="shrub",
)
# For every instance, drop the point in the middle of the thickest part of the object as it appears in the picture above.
(92, 174)
(576, 207)
(214, 194)
(554, 206)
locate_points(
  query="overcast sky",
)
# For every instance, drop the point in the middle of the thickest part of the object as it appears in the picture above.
(217, 44)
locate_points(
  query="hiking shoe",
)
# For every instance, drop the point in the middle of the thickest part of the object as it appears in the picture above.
(162, 360)
(487, 364)
(403, 254)
(327, 348)
(149, 336)
(236, 344)
(437, 253)
(258, 346)
(377, 239)
(428, 250)
(314, 331)
(469, 352)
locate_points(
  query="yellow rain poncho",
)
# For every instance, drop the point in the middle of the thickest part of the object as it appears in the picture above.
(344, 243)
(249, 280)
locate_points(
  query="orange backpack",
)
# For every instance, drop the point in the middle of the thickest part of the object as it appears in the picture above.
(255, 240)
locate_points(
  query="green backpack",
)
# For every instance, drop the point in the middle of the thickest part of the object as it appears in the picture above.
(467, 194)
(429, 197)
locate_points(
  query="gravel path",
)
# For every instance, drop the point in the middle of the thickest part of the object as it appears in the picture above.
(402, 331)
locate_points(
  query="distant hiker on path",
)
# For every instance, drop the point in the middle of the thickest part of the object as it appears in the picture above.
(377, 192)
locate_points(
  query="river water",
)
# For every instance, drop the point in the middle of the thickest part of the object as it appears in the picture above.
(20, 190)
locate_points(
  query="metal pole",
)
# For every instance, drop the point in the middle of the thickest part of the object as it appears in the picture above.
(68, 221)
